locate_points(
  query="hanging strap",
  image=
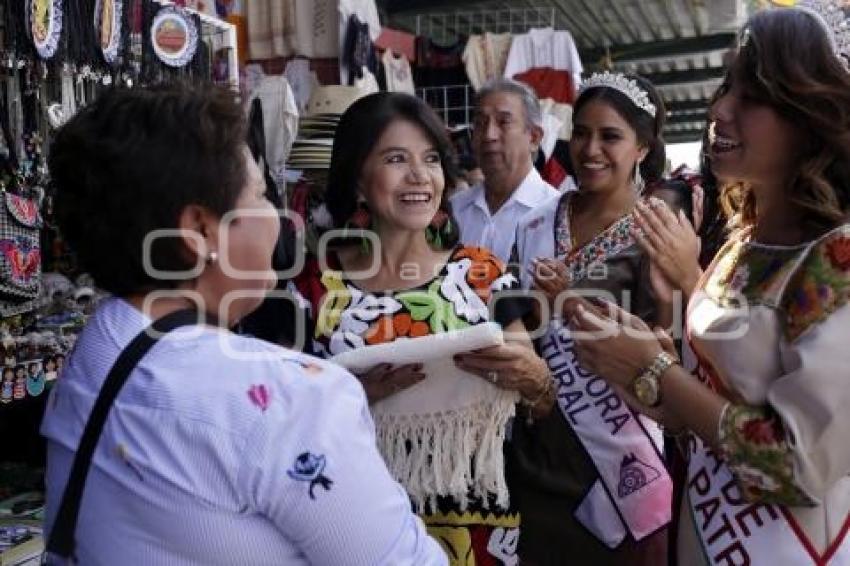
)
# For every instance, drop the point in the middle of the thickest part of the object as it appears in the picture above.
(62, 542)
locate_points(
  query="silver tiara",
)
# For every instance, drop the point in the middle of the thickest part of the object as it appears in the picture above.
(831, 17)
(627, 86)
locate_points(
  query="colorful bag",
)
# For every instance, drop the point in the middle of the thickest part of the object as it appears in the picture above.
(20, 253)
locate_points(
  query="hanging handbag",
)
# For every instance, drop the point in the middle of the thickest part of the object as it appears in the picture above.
(20, 253)
(61, 543)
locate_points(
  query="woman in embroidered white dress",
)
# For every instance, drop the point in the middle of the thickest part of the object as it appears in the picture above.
(391, 154)
(769, 321)
(582, 242)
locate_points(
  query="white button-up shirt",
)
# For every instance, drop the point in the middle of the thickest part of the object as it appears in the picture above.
(497, 232)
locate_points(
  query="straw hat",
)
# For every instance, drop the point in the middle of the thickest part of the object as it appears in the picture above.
(332, 99)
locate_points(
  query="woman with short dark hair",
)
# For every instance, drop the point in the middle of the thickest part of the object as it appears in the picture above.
(219, 448)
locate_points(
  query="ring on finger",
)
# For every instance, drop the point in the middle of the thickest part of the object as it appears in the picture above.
(493, 376)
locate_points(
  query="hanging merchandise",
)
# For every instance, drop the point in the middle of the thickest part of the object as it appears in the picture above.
(174, 36)
(45, 25)
(107, 27)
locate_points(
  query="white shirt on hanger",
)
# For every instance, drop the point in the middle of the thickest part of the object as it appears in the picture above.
(544, 47)
(397, 70)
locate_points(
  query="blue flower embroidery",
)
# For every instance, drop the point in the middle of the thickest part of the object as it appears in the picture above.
(309, 467)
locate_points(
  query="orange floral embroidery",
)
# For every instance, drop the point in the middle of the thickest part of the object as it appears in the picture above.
(485, 269)
(838, 252)
(388, 328)
(381, 331)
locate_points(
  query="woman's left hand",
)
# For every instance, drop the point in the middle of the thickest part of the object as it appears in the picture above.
(611, 342)
(509, 366)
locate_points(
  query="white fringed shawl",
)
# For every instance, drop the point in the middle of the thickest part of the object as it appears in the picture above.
(444, 435)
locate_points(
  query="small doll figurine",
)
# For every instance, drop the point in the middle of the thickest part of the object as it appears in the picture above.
(20, 389)
(7, 385)
(9, 354)
(50, 368)
(35, 379)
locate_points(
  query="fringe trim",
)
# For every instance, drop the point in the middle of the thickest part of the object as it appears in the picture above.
(455, 453)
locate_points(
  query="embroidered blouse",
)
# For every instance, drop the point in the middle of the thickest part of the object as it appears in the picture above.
(458, 296)
(770, 324)
(461, 294)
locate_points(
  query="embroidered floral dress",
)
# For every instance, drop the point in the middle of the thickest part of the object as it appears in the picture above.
(771, 328)
(550, 472)
(347, 317)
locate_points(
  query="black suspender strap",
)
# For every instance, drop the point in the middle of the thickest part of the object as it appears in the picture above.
(62, 542)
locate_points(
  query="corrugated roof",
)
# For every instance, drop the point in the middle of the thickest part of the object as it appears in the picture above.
(678, 44)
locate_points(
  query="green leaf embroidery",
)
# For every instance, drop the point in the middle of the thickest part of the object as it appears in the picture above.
(421, 304)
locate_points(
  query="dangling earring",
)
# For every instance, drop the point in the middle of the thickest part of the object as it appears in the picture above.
(638, 180)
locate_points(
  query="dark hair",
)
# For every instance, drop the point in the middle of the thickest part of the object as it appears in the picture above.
(359, 130)
(130, 162)
(677, 193)
(786, 62)
(647, 128)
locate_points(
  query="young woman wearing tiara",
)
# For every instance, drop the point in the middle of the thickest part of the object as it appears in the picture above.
(765, 425)
(589, 479)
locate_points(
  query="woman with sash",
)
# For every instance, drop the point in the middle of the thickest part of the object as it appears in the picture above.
(765, 424)
(571, 474)
(442, 438)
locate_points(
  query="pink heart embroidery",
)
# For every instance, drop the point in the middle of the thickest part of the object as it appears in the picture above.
(260, 396)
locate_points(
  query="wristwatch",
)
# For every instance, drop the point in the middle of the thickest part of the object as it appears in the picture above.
(646, 386)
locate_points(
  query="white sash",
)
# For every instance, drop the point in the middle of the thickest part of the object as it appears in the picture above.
(734, 531)
(634, 491)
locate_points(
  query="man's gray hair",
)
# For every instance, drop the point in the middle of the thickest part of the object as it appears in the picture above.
(533, 113)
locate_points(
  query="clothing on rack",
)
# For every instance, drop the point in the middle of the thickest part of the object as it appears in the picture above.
(398, 42)
(442, 66)
(544, 47)
(485, 56)
(302, 81)
(366, 12)
(550, 83)
(281, 28)
(280, 120)
(399, 76)
(359, 52)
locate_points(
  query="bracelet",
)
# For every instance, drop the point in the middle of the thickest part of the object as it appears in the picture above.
(544, 392)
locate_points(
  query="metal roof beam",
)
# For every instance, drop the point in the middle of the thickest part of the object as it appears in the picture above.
(675, 25)
(689, 76)
(684, 136)
(576, 28)
(685, 118)
(666, 48)
(609, 38)
(624, 21)
(685, 105)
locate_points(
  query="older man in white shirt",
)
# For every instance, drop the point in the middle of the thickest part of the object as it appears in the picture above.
(507, 131)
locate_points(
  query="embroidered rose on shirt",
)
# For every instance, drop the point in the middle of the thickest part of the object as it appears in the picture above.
(308, 468)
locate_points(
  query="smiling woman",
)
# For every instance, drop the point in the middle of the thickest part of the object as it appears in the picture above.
(390, 165)
(582, 241)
